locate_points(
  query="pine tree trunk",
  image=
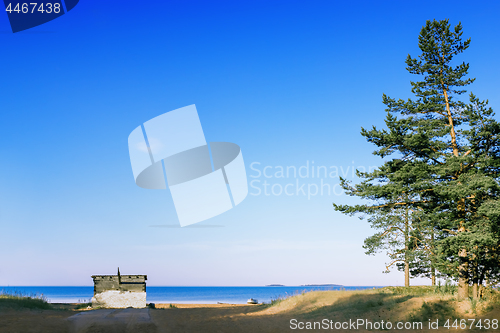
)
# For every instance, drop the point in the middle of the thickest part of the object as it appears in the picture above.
(407, 264)
(475, 277)
(463, 288)
(480, 285)
(407, 274)
(450, 122)
(433, 270)
(463, 281)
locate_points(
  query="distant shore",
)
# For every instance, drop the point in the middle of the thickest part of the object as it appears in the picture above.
(321, 285)
(306, 285)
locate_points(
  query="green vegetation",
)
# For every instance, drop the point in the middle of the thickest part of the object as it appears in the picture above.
(446, 290)
(434, 201)
(15, 300)
(172, 306)
(83, 305)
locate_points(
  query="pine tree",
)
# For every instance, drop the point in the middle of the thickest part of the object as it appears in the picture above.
(445, 161)
(391, 211)
(423, 247)
(395, 237)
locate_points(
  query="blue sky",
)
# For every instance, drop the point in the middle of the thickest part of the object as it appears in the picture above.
(290, 82)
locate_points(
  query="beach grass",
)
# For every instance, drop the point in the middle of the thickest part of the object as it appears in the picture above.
(17, 300)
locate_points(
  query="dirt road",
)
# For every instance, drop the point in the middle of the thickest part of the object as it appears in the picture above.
(112, 320)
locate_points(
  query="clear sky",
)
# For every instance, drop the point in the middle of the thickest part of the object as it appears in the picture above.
(291, 82)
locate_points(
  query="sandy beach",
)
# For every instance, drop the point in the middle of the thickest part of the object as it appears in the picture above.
(337, 307)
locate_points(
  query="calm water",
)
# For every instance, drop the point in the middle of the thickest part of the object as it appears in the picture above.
(206, 295)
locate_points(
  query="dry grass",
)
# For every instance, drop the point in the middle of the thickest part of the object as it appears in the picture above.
(389, 304)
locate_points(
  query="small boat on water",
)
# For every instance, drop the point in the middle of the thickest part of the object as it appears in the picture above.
(252, 301)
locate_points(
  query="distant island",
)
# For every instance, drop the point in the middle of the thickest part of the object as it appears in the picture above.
(306, 285)
(321, 285)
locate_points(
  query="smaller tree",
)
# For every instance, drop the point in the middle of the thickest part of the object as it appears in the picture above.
(423, 247)
(393, 237)
(390, 190)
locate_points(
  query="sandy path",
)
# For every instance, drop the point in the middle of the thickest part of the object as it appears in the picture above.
(113, 320)
(211, 318)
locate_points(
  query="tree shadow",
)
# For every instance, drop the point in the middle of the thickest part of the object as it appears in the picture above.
(442, 310)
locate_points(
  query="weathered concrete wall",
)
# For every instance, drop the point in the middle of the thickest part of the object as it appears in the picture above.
(119, 299)
(120, 283)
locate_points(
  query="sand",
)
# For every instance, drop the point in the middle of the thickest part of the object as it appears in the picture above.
(221, 318)
(204, 318)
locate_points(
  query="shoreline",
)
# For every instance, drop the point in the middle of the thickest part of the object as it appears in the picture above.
(164, 305)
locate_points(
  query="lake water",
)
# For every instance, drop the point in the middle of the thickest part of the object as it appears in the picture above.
(200, 295)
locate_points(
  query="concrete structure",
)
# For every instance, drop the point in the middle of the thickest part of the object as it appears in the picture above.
(119, 291)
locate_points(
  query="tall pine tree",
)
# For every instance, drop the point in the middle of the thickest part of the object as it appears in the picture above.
(446, 161)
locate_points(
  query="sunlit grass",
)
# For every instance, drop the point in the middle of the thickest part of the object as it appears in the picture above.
(412, 304)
